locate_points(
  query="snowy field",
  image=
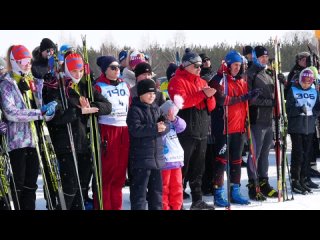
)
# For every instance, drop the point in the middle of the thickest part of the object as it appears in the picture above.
(300, 202)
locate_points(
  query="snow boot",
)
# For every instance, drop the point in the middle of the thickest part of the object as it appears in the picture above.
(201, 205)
(266, 189)
(297, 188)
(314, 171)
(311, 184)
(219, 199)
(252, 192)
(236, 196)
(303, 184)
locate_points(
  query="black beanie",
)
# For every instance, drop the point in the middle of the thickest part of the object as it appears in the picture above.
(171, 70)
(246, 50)
(104, 62)
(142, 68)
(145, 86)
(46, 43)
(204, 56)
(260, 51)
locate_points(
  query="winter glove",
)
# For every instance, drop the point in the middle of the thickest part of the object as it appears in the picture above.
(49, 109)
(269, 72)
(3, 128)
(282, 78)
(252, 95)
(161, 119)
(23, 86)
(303, 109)
(223, 68)
(47, 77)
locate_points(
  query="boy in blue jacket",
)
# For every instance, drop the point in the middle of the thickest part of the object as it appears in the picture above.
(146, 126)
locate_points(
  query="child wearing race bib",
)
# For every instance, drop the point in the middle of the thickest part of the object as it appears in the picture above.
(172, 189)
(302, 109)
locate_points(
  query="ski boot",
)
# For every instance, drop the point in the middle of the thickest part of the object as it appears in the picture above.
(252, 192)
(266, 189)
(219, 199)
(236, 196)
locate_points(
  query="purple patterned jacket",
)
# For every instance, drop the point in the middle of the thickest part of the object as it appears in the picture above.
(17, 115)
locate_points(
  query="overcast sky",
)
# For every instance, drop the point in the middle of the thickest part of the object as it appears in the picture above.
(134, 38)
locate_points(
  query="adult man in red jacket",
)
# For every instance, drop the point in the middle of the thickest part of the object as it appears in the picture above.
(198, 103)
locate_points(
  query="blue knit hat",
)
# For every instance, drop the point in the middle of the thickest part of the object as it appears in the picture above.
(63, 50)
(232, 57)
(104, 61)
(123, 55)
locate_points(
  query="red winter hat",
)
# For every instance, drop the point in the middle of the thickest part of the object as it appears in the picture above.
(74, 61)
(20, 52)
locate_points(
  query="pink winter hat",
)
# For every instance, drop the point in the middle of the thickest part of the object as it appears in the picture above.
(136, 58)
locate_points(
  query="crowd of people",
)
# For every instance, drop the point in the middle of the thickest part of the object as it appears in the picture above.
(192, 129)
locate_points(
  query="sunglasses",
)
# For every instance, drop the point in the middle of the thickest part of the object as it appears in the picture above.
(197, 65)
(24, 61)
(206, 60)
(113, 67)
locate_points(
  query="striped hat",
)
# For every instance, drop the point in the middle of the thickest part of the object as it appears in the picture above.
(74, 61)
(20, 52)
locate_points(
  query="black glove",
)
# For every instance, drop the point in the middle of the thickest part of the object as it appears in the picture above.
(303, 109)
(161, 119)
(23, 86)
(269, 72)
(282, 78)
(47, 77)
(253, 94)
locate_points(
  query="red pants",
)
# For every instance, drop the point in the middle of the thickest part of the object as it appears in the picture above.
(114, 165)
(172, 190)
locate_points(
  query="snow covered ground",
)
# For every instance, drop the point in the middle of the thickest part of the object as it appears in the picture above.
(300, 202)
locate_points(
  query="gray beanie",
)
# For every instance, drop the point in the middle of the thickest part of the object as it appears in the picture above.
(190, 58)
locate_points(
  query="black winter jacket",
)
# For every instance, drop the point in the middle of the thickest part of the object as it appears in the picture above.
(39, 64)
(146, 147)
(79, 122)
(297, 121)
(261, 110)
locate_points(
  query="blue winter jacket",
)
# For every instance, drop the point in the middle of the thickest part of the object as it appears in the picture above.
(146, 147)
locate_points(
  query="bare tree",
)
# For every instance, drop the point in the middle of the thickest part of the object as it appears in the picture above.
(300, 36)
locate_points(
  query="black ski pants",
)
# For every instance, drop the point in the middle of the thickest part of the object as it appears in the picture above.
(300, 155)
(69, 178)
(25, 168)
(194, 162)
(146, 187)
(235, 145)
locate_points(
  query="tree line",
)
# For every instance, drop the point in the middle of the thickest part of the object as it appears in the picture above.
(162, 56)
